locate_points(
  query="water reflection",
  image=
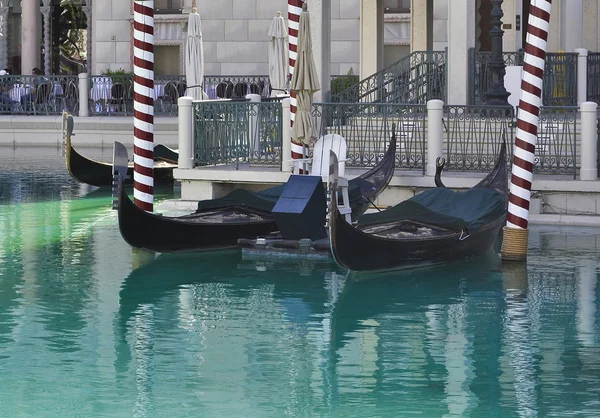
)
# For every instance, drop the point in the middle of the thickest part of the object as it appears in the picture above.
(468, 339)
(89, 327)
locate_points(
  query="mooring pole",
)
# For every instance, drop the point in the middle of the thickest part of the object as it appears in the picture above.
(516, 232)
(294, 12)
(143, 104)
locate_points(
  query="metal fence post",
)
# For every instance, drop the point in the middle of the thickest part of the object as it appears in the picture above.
(435, 139)
(186, 130)
(582, 59)
(286, 135)
(589, 117)
(83, 95)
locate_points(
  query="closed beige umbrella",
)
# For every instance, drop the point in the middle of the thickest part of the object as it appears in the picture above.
(305, 82)
(194, 57)
(278, 55)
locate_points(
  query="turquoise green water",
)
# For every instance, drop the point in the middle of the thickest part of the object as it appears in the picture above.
(89, 328)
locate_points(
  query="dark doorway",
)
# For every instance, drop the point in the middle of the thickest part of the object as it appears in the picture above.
(485, 25)
(525, 20)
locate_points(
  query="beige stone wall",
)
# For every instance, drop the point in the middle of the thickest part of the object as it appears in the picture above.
(111, 38)
(235, 34)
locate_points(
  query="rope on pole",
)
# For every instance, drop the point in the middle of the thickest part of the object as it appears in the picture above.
(294, 12)
(530, 103)
(143, 104)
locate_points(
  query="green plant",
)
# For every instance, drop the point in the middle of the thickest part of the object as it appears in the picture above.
(344, 82)
(117, 73)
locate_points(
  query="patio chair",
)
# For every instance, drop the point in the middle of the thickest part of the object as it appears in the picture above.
(181, 88)
(117, 98)
(170, 96)
(220, 90)
(70, 97)
(254, 89)
(319, 166)
(240, 90)
(229, 90)
(42, 98)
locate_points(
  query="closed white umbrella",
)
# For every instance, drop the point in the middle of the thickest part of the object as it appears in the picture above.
(305, 82)
(278, 55)
(194, 57)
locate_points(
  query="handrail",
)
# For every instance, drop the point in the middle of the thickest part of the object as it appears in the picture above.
(417, 78)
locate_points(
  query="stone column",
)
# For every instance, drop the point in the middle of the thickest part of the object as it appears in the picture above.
(46, 11)
(418, 27)
(185, 117)
(320, 24)
(30, 35)
(4, 11)
(435, 134)
(87, 9)
(589, 141)
(371, 37)
(571, 25)
(461, 37)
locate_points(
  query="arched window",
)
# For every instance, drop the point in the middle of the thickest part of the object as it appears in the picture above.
(168, 6)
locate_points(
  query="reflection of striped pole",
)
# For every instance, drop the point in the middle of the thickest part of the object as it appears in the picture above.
(294, 11)
(143, 104)
(516, 232)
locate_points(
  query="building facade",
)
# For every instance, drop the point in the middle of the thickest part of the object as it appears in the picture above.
(235, 34)
(362, 35)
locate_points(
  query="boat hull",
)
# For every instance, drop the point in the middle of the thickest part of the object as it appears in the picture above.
(158, 233)
(349, 246)
(100, 174)
(359, 248)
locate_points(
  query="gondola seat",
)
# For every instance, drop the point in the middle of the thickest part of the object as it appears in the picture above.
(319, 166)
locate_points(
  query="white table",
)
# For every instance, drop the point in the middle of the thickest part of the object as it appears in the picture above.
(19, 90)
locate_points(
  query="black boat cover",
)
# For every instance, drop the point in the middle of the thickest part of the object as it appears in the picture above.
(445, 208)
(262, 201)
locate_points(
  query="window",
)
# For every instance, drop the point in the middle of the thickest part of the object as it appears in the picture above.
(168, 6)
(396, 6)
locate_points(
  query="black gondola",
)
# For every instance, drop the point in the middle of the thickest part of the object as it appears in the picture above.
(97, 173)
(436, 226)
(219, 223)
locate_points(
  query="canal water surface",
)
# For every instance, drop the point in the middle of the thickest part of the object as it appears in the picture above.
(90, 328)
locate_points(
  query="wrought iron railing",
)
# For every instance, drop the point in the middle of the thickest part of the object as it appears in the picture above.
(593, 77)
(113, 95)
(556, 148)
(37, 94)
(237, 132)
(559, 81)
(236, 86)
(473, 135)
(367, 128)
(415, 79)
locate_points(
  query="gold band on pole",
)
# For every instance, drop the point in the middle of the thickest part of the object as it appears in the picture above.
(514, 243)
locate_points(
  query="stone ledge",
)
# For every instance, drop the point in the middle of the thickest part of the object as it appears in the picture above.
(92, 131)
(565, 220)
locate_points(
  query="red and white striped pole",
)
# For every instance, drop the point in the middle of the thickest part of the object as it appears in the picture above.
(294, 12)
(143, 104)
(516, 234)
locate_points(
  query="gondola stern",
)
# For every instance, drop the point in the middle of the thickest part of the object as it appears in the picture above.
(498, 178)
(167, 154)
(126, 209)
(335, 217)
(67, 132)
